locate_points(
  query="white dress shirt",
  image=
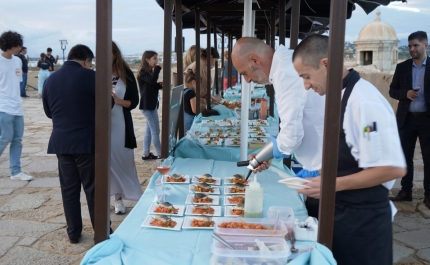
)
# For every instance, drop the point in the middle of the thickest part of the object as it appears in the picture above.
(301, 112)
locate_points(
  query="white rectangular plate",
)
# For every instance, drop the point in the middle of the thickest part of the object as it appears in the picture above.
(251, 129)
(189, 219)
(227, 191)
(227, 180)
(189, 210)
(216, 190)
(258, 135)
(215, 200)
(227, 212)
(204, 141)
(260, 123)
(227, 202)
(195, 180)
(148, 220)
(154, 206)
(187, 180)
(229, 142)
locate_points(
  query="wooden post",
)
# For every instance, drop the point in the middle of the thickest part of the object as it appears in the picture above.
(103, 120)
(208, 62)
(179, 61)
(167, 74)
(331, 121)
(198, 78)
(294, 26)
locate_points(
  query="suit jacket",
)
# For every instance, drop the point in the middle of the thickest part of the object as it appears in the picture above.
(69, 100)
(149, 89)
(402, 83)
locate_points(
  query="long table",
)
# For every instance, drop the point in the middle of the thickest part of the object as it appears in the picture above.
(132, 244)
(189, 147)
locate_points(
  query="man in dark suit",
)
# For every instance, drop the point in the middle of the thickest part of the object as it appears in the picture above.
(69, 100)
(411, 86)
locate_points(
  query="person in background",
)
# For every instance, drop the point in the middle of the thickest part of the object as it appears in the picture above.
(225, 72)
(369, 160)
(44, 67)
(189, 99)
(51, 58)
(147, 78)
(204, 76)
(190, 56)
(69, 100)
(124, 181)
(11, 112)
(24, 60)
(411, 86)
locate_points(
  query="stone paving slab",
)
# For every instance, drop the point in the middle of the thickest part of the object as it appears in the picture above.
(24, 201)
(6, 191)
(26, 228)
(57, 220)
(424, 254)
(27, 241)
(39, 215)
(58, 242)
(25, 256)
(400, 252)
(417, 239)
(7, 183)
(6, 243)
(42, 165)
(45, 182)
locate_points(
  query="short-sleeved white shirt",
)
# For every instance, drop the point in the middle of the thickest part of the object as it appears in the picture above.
(366, 106)
(10, 77)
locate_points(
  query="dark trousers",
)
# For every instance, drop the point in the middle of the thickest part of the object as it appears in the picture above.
(416, 126)
(75, 170)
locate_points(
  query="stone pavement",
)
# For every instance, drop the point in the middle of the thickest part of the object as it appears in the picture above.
(32, 222)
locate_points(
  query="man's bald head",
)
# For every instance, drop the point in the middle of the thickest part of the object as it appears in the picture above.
(252, 58)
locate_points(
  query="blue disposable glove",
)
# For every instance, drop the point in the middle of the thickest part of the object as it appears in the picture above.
(307, 174)
(276, 152)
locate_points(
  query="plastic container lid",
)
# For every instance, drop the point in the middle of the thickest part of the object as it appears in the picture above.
(280, 231)
(244, 247)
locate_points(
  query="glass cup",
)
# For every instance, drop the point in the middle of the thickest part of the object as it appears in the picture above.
(163, 167)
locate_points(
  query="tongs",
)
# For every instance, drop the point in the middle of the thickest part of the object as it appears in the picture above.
(222, 241)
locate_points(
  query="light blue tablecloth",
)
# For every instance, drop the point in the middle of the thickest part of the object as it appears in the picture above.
(132, 244)
(233, 93)
(189, 147)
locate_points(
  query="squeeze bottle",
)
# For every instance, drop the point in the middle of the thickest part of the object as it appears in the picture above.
(254, 200)
(263, 109)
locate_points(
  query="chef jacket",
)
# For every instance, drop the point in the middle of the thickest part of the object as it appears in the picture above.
(301, 112)
(381, 147)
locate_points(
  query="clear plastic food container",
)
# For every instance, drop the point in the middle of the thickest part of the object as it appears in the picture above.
(278, 230)
(246, 251)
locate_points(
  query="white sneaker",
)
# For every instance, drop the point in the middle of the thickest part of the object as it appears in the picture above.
(119, 207)
(21, 176)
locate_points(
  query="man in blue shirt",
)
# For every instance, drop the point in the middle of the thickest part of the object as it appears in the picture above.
(411, 86)
(50, 58)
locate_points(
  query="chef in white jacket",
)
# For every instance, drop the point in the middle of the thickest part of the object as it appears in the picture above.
(370, 159)
(301, 111)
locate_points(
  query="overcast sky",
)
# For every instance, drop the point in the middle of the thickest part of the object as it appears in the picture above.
(138, 24)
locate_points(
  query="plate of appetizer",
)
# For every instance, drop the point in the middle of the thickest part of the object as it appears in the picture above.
(234, 199)
(256, 129)
(206, 178)
(237, 188)
(260, 123)
(215, 141)
(203, 209)
(235, 210)
(235, 142)
(237, 178)
(176, 178)
(198, 222)
(202, 198)
(163, 222)
(166, 208)
(259, 134)
(203, 188)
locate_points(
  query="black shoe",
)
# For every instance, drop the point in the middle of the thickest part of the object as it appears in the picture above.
(25, 96)
(74, 240)
(402, 196)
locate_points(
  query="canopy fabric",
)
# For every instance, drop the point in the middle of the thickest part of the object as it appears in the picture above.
(310, 11)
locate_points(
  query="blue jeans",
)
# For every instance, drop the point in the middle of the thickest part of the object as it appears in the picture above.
(413, 128)
(152, 131)
(23, 84)
(11, 131)
(188, 121)
(42, 76)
